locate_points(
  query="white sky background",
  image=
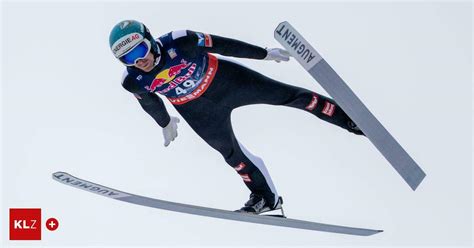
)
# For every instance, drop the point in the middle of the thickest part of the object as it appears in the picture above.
(63, 109)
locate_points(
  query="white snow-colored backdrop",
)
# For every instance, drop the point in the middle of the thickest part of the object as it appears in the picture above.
(63, 109)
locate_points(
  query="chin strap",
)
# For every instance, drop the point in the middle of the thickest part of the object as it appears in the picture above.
(158, 55)
(157, 59)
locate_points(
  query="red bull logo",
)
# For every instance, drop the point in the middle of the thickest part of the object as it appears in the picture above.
(167, 75)
(202, 85)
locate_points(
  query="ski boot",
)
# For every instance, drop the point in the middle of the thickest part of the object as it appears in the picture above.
(258, 205)
(353, 128)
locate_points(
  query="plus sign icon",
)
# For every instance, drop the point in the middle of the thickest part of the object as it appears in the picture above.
(52, 224)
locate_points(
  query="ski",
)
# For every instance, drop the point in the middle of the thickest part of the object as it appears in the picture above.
(75, 182)
(320, 70)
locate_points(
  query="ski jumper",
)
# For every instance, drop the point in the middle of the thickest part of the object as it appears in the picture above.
(205, 90)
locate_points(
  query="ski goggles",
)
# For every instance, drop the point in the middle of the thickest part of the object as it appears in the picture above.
(140, 51)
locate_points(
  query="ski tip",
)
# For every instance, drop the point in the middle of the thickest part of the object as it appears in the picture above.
(55, 174)
(282, 23)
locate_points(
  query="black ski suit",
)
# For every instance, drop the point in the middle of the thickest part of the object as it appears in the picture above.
(205, 90)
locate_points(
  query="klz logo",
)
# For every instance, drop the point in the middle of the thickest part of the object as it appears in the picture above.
(25, 224)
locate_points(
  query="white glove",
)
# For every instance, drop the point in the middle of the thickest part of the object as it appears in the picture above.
(277, 54)
(170, 132)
